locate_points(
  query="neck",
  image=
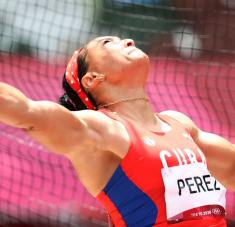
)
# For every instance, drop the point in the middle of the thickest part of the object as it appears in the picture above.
(131, 99)
(136, 108)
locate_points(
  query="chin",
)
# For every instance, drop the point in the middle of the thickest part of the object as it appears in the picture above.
(139, 59)
(143, 59)
(146, 57)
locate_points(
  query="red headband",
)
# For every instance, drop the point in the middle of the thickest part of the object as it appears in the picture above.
(71, 76)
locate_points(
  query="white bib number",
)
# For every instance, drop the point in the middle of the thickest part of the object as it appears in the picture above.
(191, 192)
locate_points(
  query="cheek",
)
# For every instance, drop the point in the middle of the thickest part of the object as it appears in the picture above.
(113, 62)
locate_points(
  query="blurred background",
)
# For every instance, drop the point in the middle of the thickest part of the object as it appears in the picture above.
(192, 49)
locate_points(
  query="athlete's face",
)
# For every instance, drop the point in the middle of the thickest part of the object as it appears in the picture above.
(118, 60)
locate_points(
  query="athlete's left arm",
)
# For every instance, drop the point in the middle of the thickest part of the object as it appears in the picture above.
(219, 152)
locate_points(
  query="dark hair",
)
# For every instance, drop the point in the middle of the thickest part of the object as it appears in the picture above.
(70, 99)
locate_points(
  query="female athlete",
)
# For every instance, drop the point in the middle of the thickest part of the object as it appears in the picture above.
(145, 168)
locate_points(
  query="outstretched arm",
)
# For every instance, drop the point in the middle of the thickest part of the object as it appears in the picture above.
(51, 124)
(219, 152)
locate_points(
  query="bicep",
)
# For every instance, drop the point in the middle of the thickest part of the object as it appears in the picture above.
(220, 154)
(46, 115)
(51, 124)
(57, 128)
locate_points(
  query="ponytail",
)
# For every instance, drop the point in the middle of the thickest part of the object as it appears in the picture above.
(70, 99)
(65, 101)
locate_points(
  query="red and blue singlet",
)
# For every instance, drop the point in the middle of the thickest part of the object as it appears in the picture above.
(163, 181)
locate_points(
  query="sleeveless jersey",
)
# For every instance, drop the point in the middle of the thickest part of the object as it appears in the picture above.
(163, 181)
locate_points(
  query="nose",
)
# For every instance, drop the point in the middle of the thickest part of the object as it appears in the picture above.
(129, 42)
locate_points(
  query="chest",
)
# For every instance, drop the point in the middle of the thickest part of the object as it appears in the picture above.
(174, 148)
(160, 161)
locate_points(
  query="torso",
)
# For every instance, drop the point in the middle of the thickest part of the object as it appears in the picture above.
(96, 168)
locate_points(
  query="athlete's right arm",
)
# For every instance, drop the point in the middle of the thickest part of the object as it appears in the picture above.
(51, 124)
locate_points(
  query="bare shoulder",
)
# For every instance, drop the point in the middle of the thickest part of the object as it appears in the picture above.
(100, 122)
(182, 118)
(112, 131)
(95, 119)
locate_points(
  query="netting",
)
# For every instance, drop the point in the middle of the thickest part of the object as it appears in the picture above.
(191, 44)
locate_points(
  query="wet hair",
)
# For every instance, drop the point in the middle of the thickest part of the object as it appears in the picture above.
(70, 99)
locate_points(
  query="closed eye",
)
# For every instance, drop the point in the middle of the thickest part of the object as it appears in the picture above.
(106, 41)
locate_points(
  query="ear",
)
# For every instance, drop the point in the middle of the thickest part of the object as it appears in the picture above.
(92, 79)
